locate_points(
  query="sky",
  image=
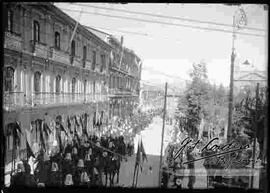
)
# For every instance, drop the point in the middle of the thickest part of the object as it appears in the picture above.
(171, 50)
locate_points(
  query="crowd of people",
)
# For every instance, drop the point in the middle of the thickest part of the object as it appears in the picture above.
(94, 161)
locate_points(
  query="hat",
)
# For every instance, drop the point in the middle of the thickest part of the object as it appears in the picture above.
(54, 167)
(68, 156)
(87, 157)
(80, 163)
(111, 144)
(68, 180)
(178, 181)
(20, 167)
(97, 143)
(105, 154)
(74, 150)
(46, 157)
(40, 185)
(90, 151)
(95, 171)
(84, 177)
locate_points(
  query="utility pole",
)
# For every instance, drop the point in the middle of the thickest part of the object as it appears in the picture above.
(229, 132)
(254, 135)
(239, 21)
(162, 137)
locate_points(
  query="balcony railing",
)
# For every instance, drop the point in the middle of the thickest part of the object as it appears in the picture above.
(13, 41)
(13, 100)
(39, 49)
(16, 100)
(75, 61)
(59, 56)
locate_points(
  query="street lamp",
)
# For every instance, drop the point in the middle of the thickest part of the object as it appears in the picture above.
(239, 21)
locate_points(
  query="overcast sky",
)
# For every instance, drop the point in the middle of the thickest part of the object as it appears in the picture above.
(172, 49)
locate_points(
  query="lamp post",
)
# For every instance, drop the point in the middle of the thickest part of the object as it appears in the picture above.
(239, 20)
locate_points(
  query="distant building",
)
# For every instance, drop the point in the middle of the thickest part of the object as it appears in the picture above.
(246, 76)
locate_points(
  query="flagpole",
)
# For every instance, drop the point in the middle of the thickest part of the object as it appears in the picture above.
(137, 176)
(135, 168)
(162, 137)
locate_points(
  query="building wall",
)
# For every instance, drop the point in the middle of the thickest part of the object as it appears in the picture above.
(27, 57)
(124, 80)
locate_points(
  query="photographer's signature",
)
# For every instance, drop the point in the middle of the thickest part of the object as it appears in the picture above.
(219, 158)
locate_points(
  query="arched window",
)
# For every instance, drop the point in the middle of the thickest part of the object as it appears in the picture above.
(58, 84)
(57, 40)
(9, 79)
(73, 85)
(94, 60)
(36, 31)
(84, 55)
(10, 21)
(37, 79)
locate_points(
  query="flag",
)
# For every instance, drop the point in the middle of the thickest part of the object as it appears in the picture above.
(144, 157)
(60, 142)
(46, 129)
(29, 150)
(63, 129)
(41, 135)
(141, 155)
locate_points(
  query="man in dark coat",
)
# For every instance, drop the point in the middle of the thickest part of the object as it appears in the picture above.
(18, 179)
(67, 166)
(191, 167)
(29, 178)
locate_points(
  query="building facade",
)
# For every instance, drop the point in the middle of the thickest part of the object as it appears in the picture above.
(124, 84)
(246, 76)
(48, 77)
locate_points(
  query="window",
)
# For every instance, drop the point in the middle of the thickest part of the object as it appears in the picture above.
(37, 79)
(94, 87)
(58, 84)
(103, 62)
(57, 40)
(36, 31)
(73, 86)
(94, 60)
(9, 79)
(84, 55)
(73, 48)
(10, 21)
(84, 88)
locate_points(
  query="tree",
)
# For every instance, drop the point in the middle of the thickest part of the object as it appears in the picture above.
(202, 101)
(191, 105)
(246, 116)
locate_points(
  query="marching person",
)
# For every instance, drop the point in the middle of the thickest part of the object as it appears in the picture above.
(29, 178)
(164, 178)
(18, 179)
(67, 166)
(78, 172)
(68, 180)
(89, 162)
(75, 156)
(55, 179)
(191, 167)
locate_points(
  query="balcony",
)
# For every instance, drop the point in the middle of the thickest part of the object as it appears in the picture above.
(75, 61)
(13, 100)
(59, 56)
(39, 49)
(13, 41)
(17, 100)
